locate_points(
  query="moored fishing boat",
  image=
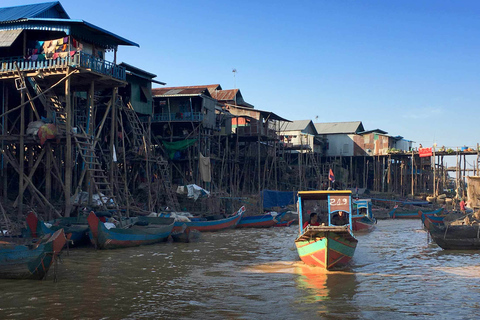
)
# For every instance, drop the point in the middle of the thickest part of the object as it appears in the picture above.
(260, 221)
(285, 223)
(455, 237)
(75, 228)
(138, 231)
(363, 219)
(434, 216)
(204, 224)
(394, 214)
(30, 261)
(332, 244)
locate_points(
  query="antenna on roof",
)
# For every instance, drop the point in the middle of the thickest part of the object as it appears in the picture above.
(234, 80)
(235, 83)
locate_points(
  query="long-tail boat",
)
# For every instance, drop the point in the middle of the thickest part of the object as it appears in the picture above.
(30, 261)
(455, 237)
(75, 228)
(434, 216)
(332, 244)
(409, 215)
(203, 224)
(363, 220)
(138, 231)
(260, 221)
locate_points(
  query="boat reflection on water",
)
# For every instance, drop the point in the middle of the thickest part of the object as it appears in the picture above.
(333, 290)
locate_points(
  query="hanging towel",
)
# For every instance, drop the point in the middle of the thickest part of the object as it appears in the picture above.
(55, 55)
(205, 168)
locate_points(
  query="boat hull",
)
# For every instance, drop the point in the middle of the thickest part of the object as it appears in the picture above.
(327, 250)
(115, 238)
(285, 223)
(363, 224)
(75, 230)
(27, 262)
(455, 237)
(262, 221)
(208, 226)
(411, 215)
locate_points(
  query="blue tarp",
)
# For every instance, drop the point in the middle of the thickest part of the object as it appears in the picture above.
(278, 198)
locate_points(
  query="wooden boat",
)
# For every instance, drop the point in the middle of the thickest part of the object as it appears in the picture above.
(285, 223)
(138, 231)
(433, 216)
(75, 228)
(328, 246)
(32, 261)
(363, 220)
(259, 221)
(204, 224)
(455, 237)
(406, 215)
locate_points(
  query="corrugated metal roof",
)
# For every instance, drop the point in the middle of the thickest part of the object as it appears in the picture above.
(296, 125)
(77, 28)
(210, 87)
(38, 10)
(266, 114)
(225, 95)
(339, 127)
(180, 91)
(7, 37)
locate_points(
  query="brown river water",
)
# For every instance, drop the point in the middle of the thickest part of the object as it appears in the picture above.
(256, 274)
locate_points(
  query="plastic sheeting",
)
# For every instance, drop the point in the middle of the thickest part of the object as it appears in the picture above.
(173, 147)
(273, 198)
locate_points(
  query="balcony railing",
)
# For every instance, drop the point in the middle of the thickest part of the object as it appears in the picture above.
(256, 130)
(79, 60)
(178, 117)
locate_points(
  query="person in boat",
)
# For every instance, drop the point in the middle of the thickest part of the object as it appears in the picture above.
(313, 221)
(340, 219)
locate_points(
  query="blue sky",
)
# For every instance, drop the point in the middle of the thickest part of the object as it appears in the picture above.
(409, 67)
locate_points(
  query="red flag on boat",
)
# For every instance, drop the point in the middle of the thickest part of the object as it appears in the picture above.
(331, 176)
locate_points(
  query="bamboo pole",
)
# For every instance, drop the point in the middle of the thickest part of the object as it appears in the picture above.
(434, 173)
(68, 155)
(30, 175)
(113, 135)
(412, 175)
(22, 154)
(48, 177)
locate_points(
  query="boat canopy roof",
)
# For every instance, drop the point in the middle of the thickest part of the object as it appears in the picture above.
(322, 194)
(363, 203)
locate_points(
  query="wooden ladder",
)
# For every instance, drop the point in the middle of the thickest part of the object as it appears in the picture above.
(139, 134)
(51, 102)
(98, 178)
(171, 196)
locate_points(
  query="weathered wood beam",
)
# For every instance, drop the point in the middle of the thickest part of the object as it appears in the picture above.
(15, 166)
(30, 174)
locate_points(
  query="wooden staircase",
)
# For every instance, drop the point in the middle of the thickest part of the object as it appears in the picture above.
(171, 196)
(98, 178)
(51, 102)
